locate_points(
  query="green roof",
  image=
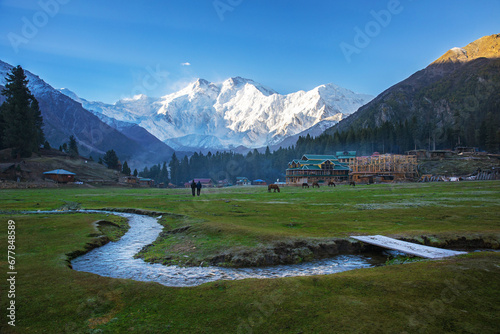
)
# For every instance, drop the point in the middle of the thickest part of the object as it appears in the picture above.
(346, 154)
(318, 157)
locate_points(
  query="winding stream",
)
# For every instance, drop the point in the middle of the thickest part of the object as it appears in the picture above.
(116, 259)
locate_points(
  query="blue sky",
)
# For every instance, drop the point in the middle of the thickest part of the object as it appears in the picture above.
(107, 50)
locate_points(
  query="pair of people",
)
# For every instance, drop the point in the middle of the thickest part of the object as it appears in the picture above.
(196, 187)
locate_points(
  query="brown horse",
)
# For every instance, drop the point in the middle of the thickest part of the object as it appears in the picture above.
(305, 185)
(352, 183)
(315, 184)
(273, 186)
(331, 183)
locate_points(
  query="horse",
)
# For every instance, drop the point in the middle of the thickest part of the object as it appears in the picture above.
(315, 184)
(331, 183)
(273, 186)
(305, 185)
(352, 183)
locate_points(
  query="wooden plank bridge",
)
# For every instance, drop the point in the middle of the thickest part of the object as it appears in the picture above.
(407, 247)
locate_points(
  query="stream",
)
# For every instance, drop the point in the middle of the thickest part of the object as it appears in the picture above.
(116, 259)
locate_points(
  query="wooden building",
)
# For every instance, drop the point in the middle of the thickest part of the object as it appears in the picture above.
(346, 157)
(384, 168)
(259, 182)
(147, 182)
(242, 181)
(316, 168)
(60, 175)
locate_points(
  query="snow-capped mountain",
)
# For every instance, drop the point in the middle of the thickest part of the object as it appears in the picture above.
(232, 113)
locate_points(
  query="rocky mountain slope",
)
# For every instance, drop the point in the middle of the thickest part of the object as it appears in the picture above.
(64, 117)
(453, 101)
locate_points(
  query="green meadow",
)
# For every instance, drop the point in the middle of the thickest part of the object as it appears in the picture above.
(460, 294)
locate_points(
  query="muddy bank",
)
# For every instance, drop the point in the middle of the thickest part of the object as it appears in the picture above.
(290, 252)
(306, 250)
(277, 253)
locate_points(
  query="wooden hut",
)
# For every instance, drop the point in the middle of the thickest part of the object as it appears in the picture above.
(60, 175)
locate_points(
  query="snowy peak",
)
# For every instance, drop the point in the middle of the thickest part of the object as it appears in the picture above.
(238, 83)
(235, 112)
(72, 95)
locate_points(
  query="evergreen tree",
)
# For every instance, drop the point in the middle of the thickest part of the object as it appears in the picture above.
(21, 119)
(135, 172)
(125, 169)
(73, 147)
(174, 169)
(111, 159)
(46, 145)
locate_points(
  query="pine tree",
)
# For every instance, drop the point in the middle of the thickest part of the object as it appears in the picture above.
(111, 159)
(125, 169)
(21, 119)
(73, 147)
(174, 169)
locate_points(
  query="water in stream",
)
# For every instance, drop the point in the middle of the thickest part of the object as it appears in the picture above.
(116, 259)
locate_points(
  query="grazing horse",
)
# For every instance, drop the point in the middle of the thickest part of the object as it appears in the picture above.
(315, 184)
(352, 183)
(273, 186)
(331, 183)
(305, 185)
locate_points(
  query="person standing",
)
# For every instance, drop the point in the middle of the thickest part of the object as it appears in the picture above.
(193, 187)
(198, 188)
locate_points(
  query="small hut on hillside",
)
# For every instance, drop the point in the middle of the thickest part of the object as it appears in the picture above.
(60, 175)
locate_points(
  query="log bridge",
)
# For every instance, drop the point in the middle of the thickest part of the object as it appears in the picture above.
(407, 247)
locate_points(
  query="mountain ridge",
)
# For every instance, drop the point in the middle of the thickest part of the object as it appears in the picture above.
(236, 112)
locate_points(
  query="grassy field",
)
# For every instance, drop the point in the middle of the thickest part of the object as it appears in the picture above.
(451, 295)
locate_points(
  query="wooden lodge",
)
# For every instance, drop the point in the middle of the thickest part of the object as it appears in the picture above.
(316, 168)
(259, 182)
(60, 176)
(146, 182)
(242, 181)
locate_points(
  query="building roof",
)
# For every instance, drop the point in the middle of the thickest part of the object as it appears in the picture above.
(314, 167)
(241, 178)
(59, 172)
(346, 154)
(259, 180)
(307, 157)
